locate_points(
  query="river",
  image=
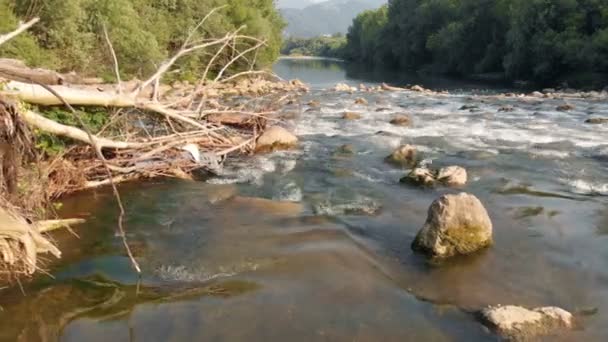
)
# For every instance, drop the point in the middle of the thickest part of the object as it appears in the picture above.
(314, 245)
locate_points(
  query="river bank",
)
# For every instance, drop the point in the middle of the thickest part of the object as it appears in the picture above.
(256, 251)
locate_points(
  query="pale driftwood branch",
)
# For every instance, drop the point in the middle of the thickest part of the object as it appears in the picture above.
(37, 94)
(50, 225)
(236, 58)
(23, 27)
(115, 60)
(38, 121)
(165, 66)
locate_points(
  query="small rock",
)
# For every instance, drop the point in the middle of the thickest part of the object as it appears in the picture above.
(276, 137)
(420, 176)
(565, 107)
(351, 116)
(596, 121)
(401, 120)
(344, 87)
(417, 88)
(506, 109)
(403, 156)
(361, 101)
(456, 225)
(314, 103)
(516, 323)
(452, 176)
(469, 107)
(382, 109)
(537, 94)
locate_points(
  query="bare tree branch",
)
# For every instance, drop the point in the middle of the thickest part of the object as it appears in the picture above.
(22, 27)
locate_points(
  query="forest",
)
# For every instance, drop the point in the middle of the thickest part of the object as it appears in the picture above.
(331, 46)
(543, 41)
(70, 35)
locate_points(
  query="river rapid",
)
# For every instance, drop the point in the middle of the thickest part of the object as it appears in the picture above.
(313, 244)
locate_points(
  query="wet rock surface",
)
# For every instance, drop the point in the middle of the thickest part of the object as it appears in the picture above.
(455, 225)
(516, 323)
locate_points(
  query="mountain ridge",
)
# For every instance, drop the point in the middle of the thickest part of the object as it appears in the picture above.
(324, 18)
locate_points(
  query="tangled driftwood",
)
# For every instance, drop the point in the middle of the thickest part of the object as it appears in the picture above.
(156, 130)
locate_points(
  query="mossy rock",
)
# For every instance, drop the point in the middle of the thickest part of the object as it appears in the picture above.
(456, 225)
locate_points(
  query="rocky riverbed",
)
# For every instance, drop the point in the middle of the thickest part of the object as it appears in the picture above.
(314, 242)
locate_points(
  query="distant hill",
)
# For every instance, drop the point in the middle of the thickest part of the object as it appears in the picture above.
(298, 4)
(327, 17)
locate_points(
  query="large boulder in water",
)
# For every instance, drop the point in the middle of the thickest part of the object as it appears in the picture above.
(456, 225)
(276, 138)
(515, 323)
(403, 156)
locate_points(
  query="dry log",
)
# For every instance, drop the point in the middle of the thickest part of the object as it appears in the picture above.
(15, 70)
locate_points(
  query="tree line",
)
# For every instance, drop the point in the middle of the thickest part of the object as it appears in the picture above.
(69, 36)
(326, 46)
(544, 41)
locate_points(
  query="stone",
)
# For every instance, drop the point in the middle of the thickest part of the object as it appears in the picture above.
(276, 137)
(537, 94)
(596, 121)
(506, 109)
(452, 176)
(361, 101)
(456, 225)
(344, 87)
(403, 156)
(420, 176)
(468, 107)
(402, 120)
(351, 116)
(515, 323)
(417, 88)
(346, 150)
(314, 103)
(565, 107)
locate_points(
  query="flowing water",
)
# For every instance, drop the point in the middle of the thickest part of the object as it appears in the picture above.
(314, 244)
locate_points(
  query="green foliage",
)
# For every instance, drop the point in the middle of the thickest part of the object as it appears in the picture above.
(326, 46)
(95, 118)
(538, 40)
(70, 36)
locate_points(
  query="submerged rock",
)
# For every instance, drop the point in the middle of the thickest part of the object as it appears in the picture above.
(516, 323)
(565, 107)
(596, 121)
(452, 176)
(403, 156)
(346, 150)
(314, 103)
(276, 138)
(361, 101)
(402, 120)
(351, 116)
(456, 225)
